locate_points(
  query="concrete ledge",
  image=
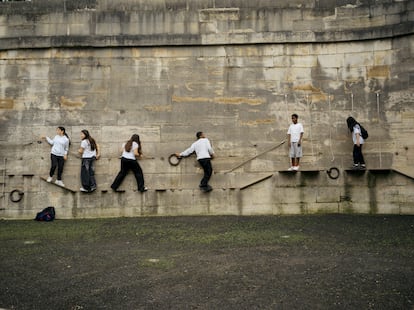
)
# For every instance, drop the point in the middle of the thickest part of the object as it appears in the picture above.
(205, 39)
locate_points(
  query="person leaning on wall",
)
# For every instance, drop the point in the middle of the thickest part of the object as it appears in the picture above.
(58, 154)
(89, 150)
(131, 151)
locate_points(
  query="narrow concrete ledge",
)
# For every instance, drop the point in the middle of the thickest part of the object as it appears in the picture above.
(62, 187)
(380, 170)
(305, 171)
(201, 39)
(409, 173)
(257, 181)
(357, 172)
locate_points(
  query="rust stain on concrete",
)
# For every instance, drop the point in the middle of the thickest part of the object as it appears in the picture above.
(315, 94)
(307, 87)
(159, 108)
(190, 99)
(407, 115)
(378, 72)
(221, 100)
(258, 122)
(239, 100)
(318, 97)
(6, 103)
(72, 104)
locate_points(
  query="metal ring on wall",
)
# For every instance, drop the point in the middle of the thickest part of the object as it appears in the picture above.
(333, 173)
(18, 198)
(172, 161)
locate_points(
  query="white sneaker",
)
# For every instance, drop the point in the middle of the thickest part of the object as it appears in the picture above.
(296, 168)
(83, 190)
(291, 168)
(60, 183)
(49, 179)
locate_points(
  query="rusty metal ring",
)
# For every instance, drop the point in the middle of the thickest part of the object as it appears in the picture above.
(12, 195)
(333, 173)
(174, 162)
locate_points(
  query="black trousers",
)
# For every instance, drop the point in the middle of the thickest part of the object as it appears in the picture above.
(126, 165)
(59, 162)
(208, 170)
(357, 154)
(88, 173)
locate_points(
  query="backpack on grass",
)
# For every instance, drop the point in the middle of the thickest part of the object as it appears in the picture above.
(46, 215)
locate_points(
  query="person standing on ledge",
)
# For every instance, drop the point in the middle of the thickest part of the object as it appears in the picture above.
(355, 129)
(58, 154)
(131, 150)
(295, 135)
(89, 150)
(205, 153)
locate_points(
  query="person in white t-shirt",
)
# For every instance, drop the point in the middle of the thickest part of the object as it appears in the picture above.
(89, 150)
(355, 129)
(205, 153)
(295, 135)
(131, 151)
(58, 154)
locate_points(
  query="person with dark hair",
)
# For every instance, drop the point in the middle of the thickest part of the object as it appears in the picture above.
(89, 150)
(355, 129)
(59, 153)
(205, 153)
(295, 135)
(131, 151)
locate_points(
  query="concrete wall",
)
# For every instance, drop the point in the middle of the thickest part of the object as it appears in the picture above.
(233, 71)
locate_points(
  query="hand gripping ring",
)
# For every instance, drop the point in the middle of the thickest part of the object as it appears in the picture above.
(333, 173)
(13, 197)
(174, 160)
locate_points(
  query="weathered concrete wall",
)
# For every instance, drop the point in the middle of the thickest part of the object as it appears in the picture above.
(241, 94)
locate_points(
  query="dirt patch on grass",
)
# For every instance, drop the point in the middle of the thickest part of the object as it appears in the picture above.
(297, 262)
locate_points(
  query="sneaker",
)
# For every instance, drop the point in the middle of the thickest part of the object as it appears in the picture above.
(363, 167)
(59, 183)
(296, 168)
(49, 179)
(291, 168)
(355, 167)
(83, 190)
(144, 189)
(206, 188)
(93, 189)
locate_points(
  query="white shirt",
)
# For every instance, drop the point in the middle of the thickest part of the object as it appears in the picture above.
(60, 145)
(202, 147)
(294, 131)
(356, 130)
(87, 151)
(130, 154)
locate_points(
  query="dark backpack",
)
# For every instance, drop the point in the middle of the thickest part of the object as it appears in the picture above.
(46, 215)
(364, 132)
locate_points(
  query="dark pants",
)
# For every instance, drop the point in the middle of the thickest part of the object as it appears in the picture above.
(88, 173)
(358, 157)
(126, 165)
(57, 161)
(208, 170)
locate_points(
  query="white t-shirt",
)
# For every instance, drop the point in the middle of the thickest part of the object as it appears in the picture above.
(356, 130)
(294, 131)
(130, 154)
(202, 147)
(60, 145)
(87, 151)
